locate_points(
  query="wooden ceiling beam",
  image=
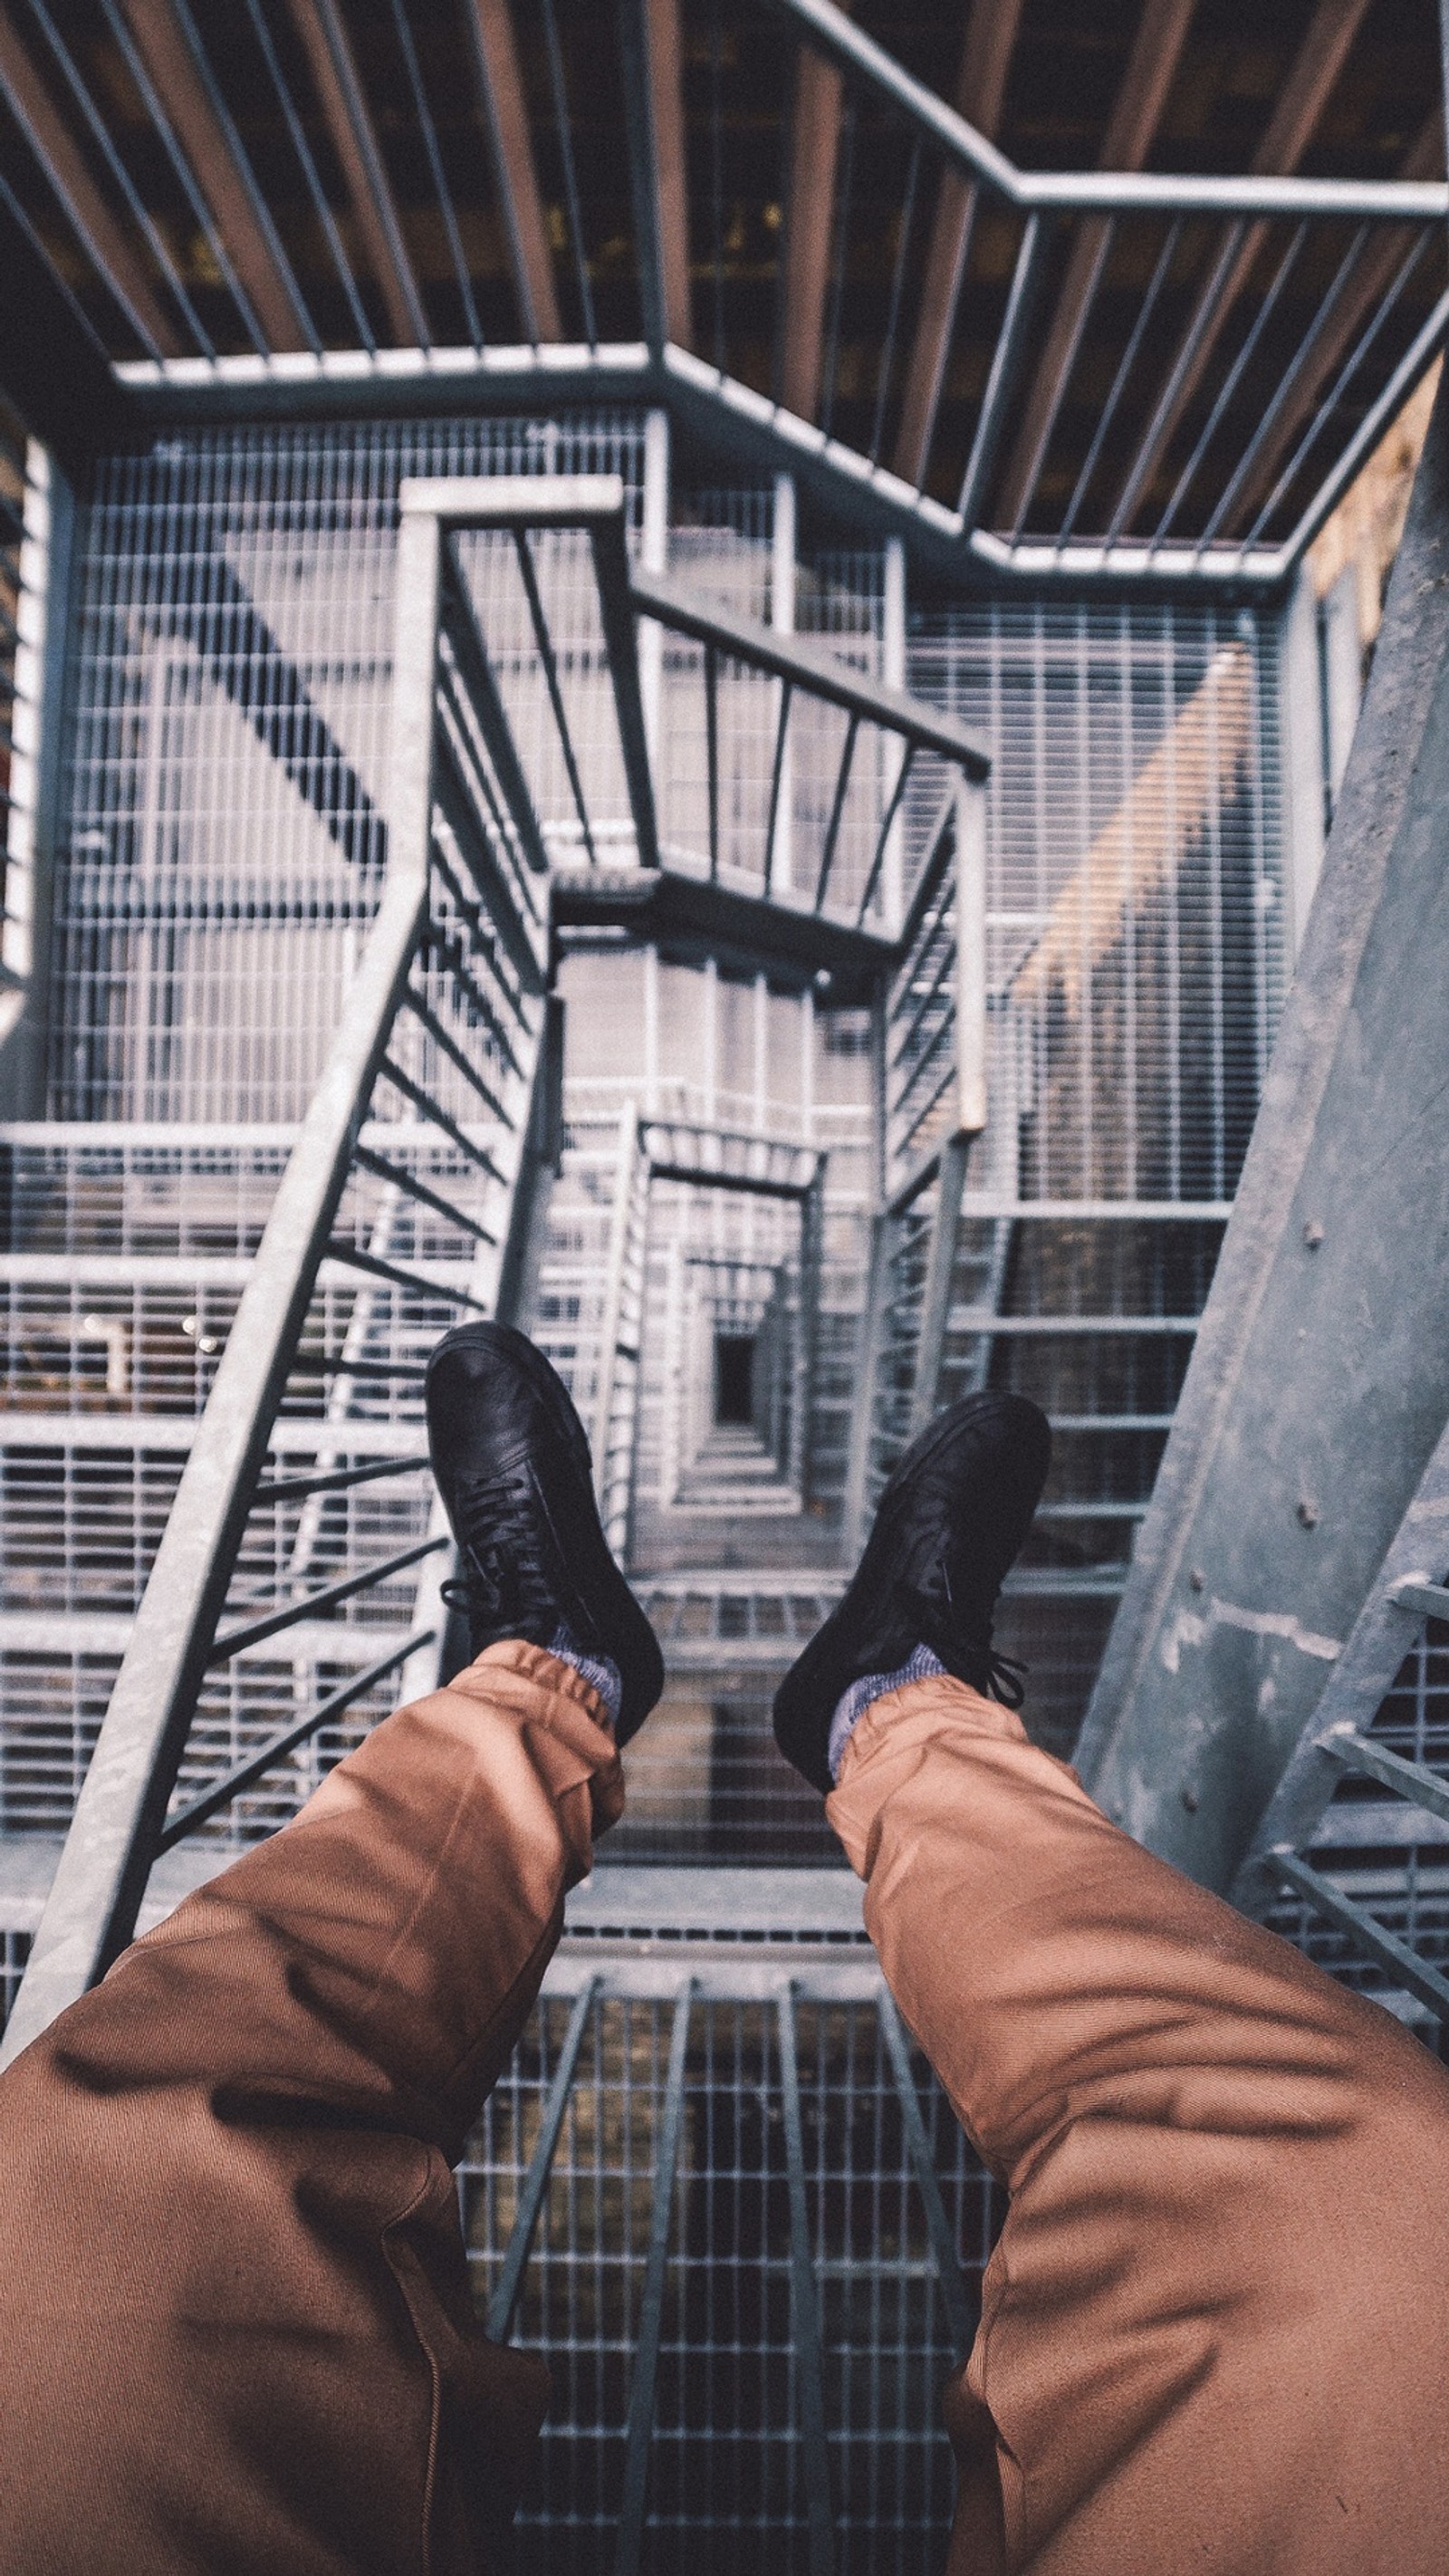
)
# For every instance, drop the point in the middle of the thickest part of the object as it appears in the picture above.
(1305, 94)
(221, 174)
(666, 101)
(1131, 131)
(354, 139)
(809, 231)
(505, 114)
(991, 31)
(110, 249)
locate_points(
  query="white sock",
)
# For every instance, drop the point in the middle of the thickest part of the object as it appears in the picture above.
(920, 1666)
(596, 1669)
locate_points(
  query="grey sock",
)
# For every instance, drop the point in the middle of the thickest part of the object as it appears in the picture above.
(920, 1666)
(596, 1669)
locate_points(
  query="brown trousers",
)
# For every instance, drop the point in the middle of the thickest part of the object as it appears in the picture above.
(236, 2336)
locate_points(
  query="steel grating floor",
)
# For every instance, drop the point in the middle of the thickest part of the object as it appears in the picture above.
(721, 2465)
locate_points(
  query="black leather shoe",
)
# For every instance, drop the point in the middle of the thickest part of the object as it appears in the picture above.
(512, 1465)
(949, 1523)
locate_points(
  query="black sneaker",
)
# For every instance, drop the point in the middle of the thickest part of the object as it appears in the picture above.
(949, 1523)
(512, 1465)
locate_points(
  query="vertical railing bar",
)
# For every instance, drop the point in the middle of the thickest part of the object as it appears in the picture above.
(991, 420)
(954, 2294)
(1145, 457)
(477, 678)
(805, 2305)
(1126, 364)
(472, 775)
(776, 775)
(1303, 356)
(570, 170)
(1228, 388)
(842, 788)
(804, 2302)
(711, 733)
(504, 2302)
(892, 809)
(550, 672)
(651, 2309)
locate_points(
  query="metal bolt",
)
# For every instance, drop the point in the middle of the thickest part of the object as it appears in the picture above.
(1313, 1234)
(1308, 1513)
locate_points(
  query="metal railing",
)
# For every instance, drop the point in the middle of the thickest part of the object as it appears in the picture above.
(707, 1158)
(1349, 1749)
(412, 1176)
(932, 1078)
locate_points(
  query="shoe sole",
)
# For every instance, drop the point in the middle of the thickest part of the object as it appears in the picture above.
(827, 1666)
(642, 1678)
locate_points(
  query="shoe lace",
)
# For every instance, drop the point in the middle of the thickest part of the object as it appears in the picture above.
(962, 1638)
(502, 1585)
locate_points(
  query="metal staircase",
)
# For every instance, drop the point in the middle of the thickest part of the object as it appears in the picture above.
(217, 1341)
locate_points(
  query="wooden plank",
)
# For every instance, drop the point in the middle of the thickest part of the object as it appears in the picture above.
(814, 153)
(1151, 68)
(354, 139)
(500, 81)
(229, 190)
(991, 31)
(1341, 325)
(109, 248)
(1316, 68)
(666, 100)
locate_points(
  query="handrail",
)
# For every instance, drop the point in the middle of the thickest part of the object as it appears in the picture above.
(120, 1823)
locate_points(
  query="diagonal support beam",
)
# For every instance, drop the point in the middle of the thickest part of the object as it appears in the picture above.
(810, 227)
(1151, 68)
(1315, 72)
(167, 43)
(109, 249)
(505, 113)
(980, 96)
(653, 97)
(354, 139)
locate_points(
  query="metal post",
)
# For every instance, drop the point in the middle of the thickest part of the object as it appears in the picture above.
(1300, 722)
(504, 2302)
(971, 964)
(805, 2308)
(940, 1277)
(628, 1150)
(651, 2306)
(654, 556)
(955, 2296)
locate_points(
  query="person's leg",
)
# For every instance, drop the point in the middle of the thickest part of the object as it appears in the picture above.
(235, 2324)
(236, 2336)
(1215, 2330)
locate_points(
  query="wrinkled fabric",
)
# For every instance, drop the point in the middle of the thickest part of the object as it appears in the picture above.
(236, 2333)
(1215, 2329)
(236, 2336)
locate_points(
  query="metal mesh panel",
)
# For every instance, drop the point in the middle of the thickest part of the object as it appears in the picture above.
(1134, 886)
(12, 531)
(231, 676)
(724, 2473)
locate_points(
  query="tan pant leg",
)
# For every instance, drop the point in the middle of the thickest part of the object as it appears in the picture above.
(1215, 2332)
(235, 2326)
